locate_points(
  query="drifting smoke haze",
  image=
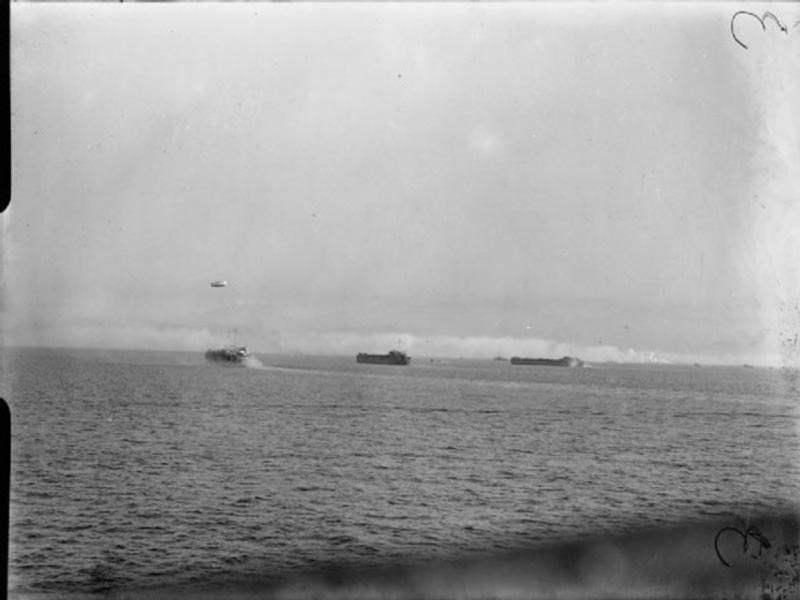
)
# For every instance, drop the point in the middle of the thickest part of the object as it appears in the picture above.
(186, 339)
(485, 347)
(122, 337)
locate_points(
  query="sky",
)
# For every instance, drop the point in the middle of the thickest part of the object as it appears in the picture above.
(615, 181)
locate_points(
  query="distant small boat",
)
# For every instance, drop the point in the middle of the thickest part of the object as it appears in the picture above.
(394, 357)
(566, 361)
(219, 283)
(228, 354)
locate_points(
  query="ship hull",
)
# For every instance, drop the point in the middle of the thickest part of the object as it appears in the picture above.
(229, 355)
(393, 358)
(566, 361)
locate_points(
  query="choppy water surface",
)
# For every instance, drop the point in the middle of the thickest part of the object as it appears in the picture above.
(134, 470)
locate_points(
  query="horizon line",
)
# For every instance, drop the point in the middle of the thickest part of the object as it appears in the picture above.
(342, 354)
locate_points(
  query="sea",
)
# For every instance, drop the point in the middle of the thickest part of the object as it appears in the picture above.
(157, 470)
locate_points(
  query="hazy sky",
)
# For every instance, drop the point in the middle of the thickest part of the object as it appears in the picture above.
(614, 182)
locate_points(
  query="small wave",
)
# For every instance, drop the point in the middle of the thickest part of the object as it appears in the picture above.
(342, 539)
(243, 501)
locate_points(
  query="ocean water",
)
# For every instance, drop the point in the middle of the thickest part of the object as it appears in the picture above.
(144, 470)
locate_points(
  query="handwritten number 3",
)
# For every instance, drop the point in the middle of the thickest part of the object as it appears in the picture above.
(761, 19)
(750, 532)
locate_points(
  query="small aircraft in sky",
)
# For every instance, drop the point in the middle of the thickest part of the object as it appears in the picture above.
(219, 283)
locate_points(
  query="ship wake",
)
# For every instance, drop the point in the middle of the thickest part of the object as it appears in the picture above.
(251, 362)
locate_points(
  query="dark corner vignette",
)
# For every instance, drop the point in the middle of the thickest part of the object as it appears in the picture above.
(5, 475)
